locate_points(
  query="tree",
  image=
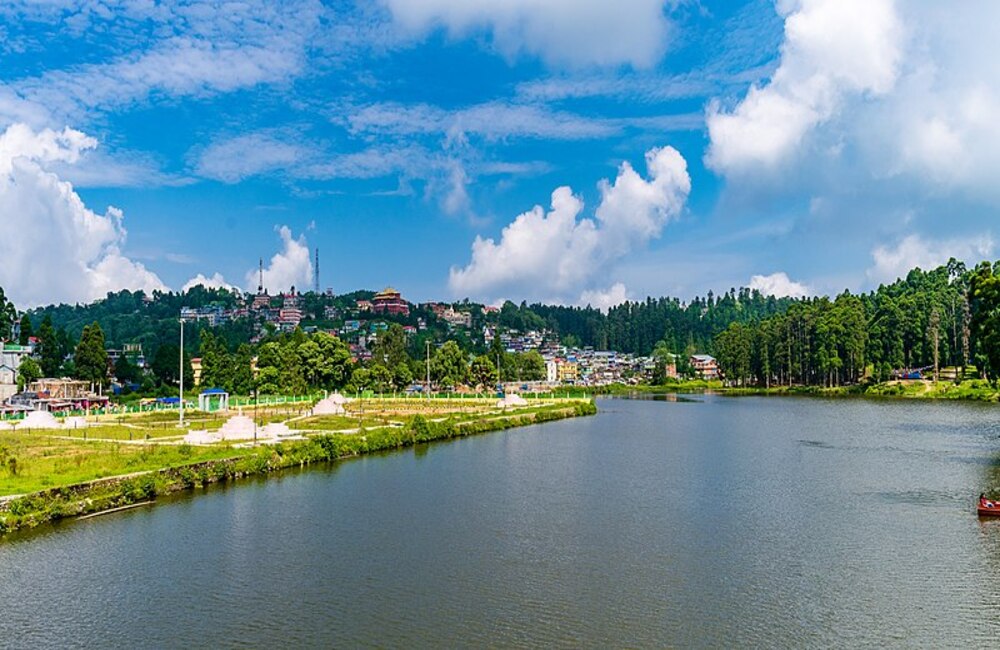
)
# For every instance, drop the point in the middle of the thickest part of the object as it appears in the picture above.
(449, 365)
(166, 366)
(483, 372)
(216, 362)
(402, 377)
(8, 315)
(27, 331)
(90, 357)
(127, 372)
(390, 348)
(531, 366)
(52, 352)
(28, 372)
(381, 379)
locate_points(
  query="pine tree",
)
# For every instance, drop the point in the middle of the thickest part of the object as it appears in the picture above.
(91, 359)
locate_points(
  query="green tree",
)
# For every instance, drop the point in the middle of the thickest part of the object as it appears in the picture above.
(90, 357)
(984, 292)
(166, 366)
(530, 366)
(402, 377)
(26, 330)
(127, 372)
(483, 372)
(216, 362)
(52, 352)
(390, 347)
(449, 366)
(381, 379)
(27, 372)
(8, 316)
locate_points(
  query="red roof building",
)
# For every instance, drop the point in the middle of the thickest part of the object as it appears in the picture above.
(390, 301)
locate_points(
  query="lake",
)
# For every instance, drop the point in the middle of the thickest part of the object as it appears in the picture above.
(698, 521)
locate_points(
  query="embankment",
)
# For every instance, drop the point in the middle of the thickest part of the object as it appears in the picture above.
(105, 494)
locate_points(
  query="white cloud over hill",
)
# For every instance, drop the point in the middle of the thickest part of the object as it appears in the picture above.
(779, 285)
(54, 248)
(894, 262)
(290, 266)
(556, 256)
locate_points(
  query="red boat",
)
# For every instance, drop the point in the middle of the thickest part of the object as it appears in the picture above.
(988, 512)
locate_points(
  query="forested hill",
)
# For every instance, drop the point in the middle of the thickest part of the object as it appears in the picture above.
(947, 314)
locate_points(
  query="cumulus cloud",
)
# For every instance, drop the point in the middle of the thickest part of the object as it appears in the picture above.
(561, 32)
(54, 248)
(555, 255)
(779, 285)
(894, 262)
(833, 49)
(615, 295)
(214, 282)
(291, 266)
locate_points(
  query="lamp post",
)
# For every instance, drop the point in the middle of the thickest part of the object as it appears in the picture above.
(428, 384)
(181, 384)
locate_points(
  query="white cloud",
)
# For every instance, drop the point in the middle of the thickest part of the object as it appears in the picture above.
(894, 262)
(555, 256)
(291, 266)
(175, 49)
(54, 248)
(562, 32)
(214, 282)
(247, 155)
(833, 49)
(615, 295)
(491, 120)
(779, 285)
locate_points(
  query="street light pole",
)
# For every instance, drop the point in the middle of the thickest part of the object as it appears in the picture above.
(428, 369)
(181, 386)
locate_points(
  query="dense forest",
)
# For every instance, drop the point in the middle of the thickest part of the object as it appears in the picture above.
(948, 316)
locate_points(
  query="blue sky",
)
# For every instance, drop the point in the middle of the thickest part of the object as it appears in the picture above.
(798, 147)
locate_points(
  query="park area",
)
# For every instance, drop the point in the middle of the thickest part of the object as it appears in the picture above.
(70, 451)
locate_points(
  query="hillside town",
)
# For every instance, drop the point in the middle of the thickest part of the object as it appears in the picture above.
(358, 322)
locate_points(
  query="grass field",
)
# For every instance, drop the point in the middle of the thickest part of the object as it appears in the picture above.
(123, 444)
(41, 462)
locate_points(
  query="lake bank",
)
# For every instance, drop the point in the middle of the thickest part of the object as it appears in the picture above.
(979, 390)
(39, 507)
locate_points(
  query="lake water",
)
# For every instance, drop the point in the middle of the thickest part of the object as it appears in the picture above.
(714, 521)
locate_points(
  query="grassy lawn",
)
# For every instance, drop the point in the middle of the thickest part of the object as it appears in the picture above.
(42, 459)
(42, 462)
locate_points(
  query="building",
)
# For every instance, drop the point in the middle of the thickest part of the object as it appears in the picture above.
(705, 366)
(390, 301)
(569, 372)
(11, 356)
(131, 351)
(60, 395)
(261, 300)
(457, 318)
(196, 371)
(290, 314)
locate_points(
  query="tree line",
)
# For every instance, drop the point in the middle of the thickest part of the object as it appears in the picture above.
(930, 319)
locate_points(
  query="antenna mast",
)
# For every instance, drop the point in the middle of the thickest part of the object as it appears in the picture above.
(316, 273)
(260, 282)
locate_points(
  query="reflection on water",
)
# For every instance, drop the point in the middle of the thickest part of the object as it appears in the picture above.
(705, 522)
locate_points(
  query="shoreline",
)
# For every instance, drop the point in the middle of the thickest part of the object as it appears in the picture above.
(968, 391)
(101, 496)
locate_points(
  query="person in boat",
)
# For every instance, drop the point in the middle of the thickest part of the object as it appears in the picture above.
(984, 502)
